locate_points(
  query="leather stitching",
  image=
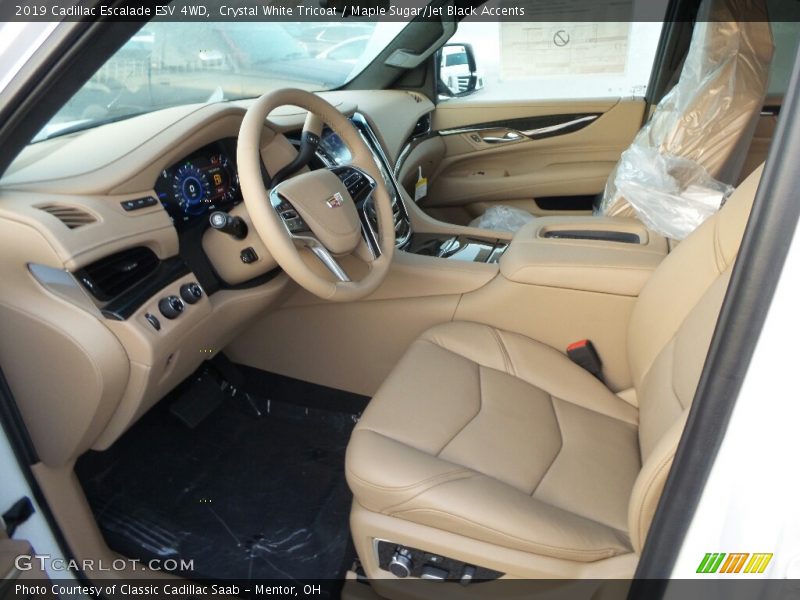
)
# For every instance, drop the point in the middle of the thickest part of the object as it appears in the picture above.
(599, 553)
(536, 385)
(427, 489)
(449, 475)
(471, 419)
(560, 447)
(504, 352)
(673, 370)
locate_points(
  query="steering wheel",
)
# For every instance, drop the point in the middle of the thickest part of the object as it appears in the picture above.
(313, 214)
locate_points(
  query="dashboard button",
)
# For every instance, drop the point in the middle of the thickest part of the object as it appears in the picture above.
(191, 293)
(248, 256)
(171, 306)
(153, 320)
(137, 203)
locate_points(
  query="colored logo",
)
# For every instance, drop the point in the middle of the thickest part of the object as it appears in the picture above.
(741, 562)
(336, 201)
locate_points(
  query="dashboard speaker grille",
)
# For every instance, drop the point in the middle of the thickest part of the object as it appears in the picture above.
(72, 216)
(108, 277)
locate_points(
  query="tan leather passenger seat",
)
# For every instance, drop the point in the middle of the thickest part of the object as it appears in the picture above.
(493, 437)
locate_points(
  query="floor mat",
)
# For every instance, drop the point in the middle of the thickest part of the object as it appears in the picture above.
(245, 497)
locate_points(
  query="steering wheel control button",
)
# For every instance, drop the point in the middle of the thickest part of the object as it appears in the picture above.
(153, 320)
(171, 307)
(354, 181)
(248, 256)
(401, 563)
(136, 204)
(234, 226)
(290, 217)
(191, 293)
(297, 225)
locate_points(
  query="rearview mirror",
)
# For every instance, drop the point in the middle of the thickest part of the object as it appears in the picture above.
(458, 70)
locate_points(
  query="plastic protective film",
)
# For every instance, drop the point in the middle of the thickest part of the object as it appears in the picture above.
(503, 218)
(678, 169)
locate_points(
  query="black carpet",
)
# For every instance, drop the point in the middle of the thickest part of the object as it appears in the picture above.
(245, 497)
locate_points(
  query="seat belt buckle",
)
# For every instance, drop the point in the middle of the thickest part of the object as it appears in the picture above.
(583, 354)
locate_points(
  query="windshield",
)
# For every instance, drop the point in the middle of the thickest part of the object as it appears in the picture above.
(171, 64)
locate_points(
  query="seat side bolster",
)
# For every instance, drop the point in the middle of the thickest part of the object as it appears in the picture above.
(650, 483)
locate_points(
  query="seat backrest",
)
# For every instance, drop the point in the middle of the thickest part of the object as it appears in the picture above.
(668, 338)
(710, 115)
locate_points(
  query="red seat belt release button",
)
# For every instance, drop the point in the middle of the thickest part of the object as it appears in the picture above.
(583, 354)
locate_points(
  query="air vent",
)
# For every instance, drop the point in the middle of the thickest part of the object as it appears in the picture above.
(110, 276)
(423, 126)
(72, 216)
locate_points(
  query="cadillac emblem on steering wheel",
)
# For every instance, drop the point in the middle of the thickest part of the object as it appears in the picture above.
(335, 201)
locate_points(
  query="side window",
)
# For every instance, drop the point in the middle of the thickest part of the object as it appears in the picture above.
(786, 35)
(539, 60)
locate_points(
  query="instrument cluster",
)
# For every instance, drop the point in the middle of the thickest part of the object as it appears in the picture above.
(205, 181)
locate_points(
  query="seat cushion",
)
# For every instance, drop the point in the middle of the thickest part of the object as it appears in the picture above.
(494, 436)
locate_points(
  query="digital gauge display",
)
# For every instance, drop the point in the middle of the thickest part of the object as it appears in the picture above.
(200, 183)
(335, 148)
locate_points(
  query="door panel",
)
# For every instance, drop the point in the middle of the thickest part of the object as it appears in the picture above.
(514, 153)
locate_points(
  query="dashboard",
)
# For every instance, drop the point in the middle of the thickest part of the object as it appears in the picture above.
(120, 273)
(204, 181)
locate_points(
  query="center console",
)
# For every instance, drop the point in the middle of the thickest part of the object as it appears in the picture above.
(606, 255)
(596, 254)
(333, 152)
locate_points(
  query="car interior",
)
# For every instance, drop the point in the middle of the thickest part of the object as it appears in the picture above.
(233, 335)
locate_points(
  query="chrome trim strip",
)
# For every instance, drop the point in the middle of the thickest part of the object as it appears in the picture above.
(373, 141)
(559, 127)
(530, 133)
(330, 262)
(409, 148)
(63, 284)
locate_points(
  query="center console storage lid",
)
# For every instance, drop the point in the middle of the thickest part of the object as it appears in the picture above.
(595, 254)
